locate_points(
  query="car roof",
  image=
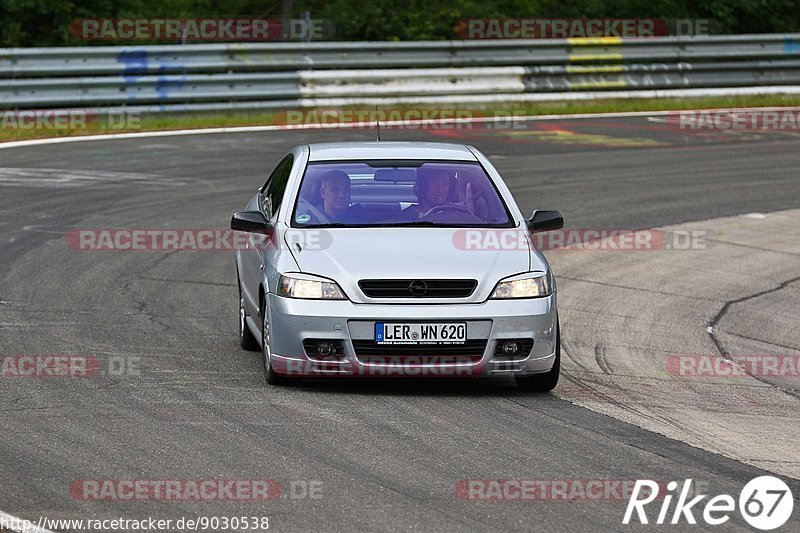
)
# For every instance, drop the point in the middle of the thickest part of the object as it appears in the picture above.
(340, 151)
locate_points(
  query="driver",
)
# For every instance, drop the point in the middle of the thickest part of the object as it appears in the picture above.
(432, 189)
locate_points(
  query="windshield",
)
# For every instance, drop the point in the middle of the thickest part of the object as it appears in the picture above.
(398, 193)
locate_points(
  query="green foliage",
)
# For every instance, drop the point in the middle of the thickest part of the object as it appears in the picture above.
(46, 22)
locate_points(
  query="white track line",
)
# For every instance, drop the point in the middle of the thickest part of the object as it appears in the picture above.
(346, 125)
(12, 523)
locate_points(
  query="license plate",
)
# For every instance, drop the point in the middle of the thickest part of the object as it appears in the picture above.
(420, 332)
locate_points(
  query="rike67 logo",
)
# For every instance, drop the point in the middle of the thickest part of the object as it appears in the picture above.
(765, 503)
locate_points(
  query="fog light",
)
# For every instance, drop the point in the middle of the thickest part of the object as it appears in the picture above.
(510, 348)
(326, 348)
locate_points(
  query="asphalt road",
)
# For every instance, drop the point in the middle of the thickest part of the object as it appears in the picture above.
(387, 455)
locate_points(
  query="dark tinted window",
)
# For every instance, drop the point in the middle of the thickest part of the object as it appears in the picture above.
(394, 193)
(273, 190)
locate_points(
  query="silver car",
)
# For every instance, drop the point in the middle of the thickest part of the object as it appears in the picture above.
(395, 259)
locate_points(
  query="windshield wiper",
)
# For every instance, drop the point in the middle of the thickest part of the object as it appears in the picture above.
(406, 224)
(423, 223)
(329, 225)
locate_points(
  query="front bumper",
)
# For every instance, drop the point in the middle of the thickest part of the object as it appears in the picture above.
(292, 320)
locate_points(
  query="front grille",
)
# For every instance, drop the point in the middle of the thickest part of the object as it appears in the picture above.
(471, 348)
(418, 288)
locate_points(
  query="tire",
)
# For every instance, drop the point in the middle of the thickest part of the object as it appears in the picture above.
(547, 381)
(270, 375)
(247, 340)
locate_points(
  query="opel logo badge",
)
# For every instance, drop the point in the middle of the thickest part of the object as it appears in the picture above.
(418, 288)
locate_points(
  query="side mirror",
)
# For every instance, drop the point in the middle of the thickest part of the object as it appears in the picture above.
(251, 222)
(545, 221)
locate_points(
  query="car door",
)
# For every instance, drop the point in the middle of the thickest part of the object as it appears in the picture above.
(259, 252)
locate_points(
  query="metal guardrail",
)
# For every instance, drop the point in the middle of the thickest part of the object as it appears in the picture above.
(176, 77)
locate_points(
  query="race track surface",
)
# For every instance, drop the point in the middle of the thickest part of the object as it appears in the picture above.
(386, 455)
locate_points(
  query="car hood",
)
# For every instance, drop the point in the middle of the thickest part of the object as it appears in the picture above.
(348, 255)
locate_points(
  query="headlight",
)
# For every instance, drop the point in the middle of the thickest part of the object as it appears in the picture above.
(309, 289)
(533, 286)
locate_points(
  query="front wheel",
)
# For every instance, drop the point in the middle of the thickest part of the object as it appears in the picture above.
(547, 381)
(270, 375)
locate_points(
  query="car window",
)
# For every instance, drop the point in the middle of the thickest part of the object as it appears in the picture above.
(395, 193)
(273, 190)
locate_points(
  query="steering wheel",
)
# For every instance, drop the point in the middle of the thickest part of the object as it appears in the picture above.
(443, 208)
(454, 208)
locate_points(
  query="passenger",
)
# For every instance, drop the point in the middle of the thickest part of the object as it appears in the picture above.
(334, 191)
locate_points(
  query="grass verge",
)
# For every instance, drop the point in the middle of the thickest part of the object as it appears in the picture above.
(10, 129)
